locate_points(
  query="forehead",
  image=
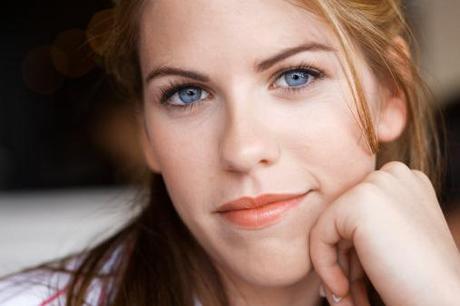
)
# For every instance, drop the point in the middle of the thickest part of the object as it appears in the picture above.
(235, 30)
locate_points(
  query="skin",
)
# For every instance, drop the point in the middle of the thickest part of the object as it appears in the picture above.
(250, 136)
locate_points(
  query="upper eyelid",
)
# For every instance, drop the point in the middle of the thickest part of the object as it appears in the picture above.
(273, 77)
(301, 66)
(173, 90)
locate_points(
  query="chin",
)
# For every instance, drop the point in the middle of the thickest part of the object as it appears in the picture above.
(273, 277)
(275, 270)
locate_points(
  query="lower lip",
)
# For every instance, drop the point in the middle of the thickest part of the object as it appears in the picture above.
(263, 216)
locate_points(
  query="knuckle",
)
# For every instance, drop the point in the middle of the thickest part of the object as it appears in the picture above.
(422, 176)
(379, 176)
(367, 189)
(396, 167)
(368, 193)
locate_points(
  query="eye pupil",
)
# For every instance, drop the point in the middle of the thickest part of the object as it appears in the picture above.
(190, 94)
(296, 78)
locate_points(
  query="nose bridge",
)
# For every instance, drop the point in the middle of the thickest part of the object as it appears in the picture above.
(246, 140)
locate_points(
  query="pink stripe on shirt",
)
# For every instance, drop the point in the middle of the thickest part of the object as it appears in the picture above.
(53, 297)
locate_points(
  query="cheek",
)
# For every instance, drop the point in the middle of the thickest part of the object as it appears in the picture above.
(333, 149)
(186, 166)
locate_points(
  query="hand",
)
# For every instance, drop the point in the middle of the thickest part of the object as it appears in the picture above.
(389, 227)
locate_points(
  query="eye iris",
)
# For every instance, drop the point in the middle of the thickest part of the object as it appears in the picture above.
(190, 94)
(296, 78)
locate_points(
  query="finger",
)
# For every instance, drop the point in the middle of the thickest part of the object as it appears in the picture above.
(338, 301)
(324, 257)
(356, 269)
(396, 168)
(343, 256)
(358, 292)
(422, 177)
(355, 272)
(358, 284)
(324, 253)
(322, 291)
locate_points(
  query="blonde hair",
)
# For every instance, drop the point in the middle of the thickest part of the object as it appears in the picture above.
(163, 264)
(375, 27)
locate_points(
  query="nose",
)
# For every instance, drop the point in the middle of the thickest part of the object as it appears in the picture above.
(247, 142)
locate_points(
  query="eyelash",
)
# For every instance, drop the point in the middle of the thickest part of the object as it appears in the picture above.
(168, 91)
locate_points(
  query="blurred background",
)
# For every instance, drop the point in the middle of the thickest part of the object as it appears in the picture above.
(70, 161)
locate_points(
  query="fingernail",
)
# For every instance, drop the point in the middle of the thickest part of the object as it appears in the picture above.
(322, 292)
(336, 298)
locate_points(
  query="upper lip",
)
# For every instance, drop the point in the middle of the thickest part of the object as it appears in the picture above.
(247, 202)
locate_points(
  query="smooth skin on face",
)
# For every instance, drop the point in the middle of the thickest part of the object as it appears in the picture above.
(243, 98)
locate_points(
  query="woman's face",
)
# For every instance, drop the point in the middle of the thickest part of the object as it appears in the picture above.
(255, 123)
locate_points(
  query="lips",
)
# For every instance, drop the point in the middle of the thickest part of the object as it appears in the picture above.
(261, 211)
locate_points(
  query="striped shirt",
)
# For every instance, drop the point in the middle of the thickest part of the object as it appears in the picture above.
(41, 288)
(46, 287)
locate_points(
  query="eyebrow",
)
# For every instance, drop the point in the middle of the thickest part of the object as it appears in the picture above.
(259, 67)
(310, 46)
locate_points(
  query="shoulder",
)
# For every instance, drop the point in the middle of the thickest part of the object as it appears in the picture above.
(48, 286)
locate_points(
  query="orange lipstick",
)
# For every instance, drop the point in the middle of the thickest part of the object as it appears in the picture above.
(259, 212)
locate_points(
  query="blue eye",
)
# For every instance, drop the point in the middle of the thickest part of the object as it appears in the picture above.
(189, 95)
(296, 78)
(186, 95)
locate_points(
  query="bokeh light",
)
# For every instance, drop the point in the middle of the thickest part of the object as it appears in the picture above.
(71, 54)
(38, 71)
(98, 30)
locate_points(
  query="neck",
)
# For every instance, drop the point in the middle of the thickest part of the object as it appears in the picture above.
(303, 293)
